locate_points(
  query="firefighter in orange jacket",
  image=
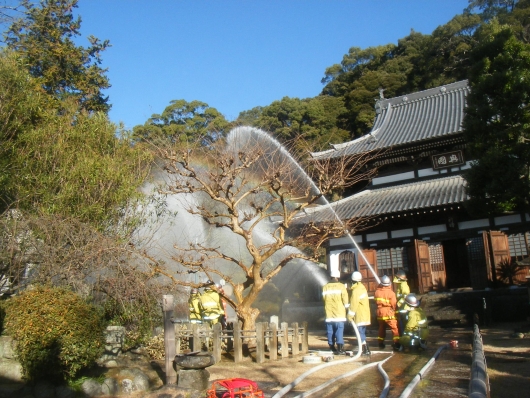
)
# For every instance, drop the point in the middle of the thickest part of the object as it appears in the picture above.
(386, 302)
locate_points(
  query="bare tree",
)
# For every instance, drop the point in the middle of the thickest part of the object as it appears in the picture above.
(245, 184)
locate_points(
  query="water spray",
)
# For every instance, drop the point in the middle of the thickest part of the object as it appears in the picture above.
(245, 133)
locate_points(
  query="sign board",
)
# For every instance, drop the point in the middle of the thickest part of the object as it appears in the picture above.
(448, 159)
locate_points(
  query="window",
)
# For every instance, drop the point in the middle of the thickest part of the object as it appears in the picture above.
(517, 244)
(389, 261)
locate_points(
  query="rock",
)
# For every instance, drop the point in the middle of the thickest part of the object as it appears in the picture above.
(11, 370)
(141, 382)
(111, 364)
(193, 378)
(138, 379)
(91, 388)
(110, 386)
(199, 361)
(127, 386)
(7, 347)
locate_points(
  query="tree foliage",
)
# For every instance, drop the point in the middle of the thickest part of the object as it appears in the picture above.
(497, 122)
(183, 121)
(44, 37)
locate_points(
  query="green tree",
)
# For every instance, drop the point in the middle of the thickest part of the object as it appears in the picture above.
(316, 120)
(74, 165)
(497, 122)
(183, 121)
(45, 38)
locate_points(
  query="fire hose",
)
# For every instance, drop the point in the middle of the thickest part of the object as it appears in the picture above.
(296, 381)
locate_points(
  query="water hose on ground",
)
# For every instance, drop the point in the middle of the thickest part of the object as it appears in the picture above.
(347, 374)
(422, 372)
(384, 393)
(296, 381)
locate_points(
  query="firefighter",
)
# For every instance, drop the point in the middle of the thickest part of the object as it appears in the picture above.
(386, 302)
(194, 306)
(210, 304)
(401, 292)
(335, 304)
(416, 328)
(359, 310)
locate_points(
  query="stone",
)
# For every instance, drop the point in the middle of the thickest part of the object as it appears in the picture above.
(193, 378)
(141, 382)
(199, 361)
(127, 386)
(7, 347)
(11, 370)
(91, 388)
(111, 364)
(110, 386)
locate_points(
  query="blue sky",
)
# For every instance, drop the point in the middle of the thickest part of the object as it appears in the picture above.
(238, 54)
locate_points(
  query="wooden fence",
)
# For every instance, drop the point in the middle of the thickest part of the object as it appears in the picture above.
(284, 340)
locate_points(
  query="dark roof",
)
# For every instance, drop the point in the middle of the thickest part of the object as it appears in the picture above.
(395, 199)
(410, 119)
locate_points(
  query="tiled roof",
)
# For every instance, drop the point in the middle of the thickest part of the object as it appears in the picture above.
(395, 199)
(409, 119)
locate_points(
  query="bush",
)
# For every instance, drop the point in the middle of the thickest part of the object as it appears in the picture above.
(56, 331)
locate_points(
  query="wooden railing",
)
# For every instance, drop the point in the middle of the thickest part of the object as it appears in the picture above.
(268, 338)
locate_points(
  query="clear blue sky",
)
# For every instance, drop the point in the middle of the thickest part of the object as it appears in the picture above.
(238, 54)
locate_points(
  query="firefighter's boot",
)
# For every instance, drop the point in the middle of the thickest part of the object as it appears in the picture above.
(366, 350)
(340, 349)
(333, 349)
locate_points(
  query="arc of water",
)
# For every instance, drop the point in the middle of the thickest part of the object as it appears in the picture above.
(239, 131)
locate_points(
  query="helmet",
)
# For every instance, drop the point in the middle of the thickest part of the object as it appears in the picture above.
(412, 300)
(208, 282)
(356, 276)
(385, 280)
(194, 291)
(335, 273)
(401, 275)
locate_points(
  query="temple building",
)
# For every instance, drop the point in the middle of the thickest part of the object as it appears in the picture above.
(419, 223)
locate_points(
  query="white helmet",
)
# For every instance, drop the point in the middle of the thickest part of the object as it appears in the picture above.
(385, 280)
(356, 276)
(335, 273)
(412, 300)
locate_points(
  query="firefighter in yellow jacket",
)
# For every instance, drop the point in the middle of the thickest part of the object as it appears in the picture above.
(402, 289)
(335, 304)
(210, 305)
(194, 306)
(416, 328)
(359, 310)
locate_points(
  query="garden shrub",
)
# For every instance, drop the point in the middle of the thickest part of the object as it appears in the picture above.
(57, 333)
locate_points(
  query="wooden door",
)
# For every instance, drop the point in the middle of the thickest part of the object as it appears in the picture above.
(423, 266)
(437, 261)
(368, 277)
(499, 251)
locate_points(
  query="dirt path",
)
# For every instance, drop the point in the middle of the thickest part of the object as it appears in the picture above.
(507, 355)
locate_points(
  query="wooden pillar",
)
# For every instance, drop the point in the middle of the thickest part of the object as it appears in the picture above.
(260, 342)
(273, 347)
(238, 343)
(285, 340)
(216, 343)
(196, 338)
(305, 339)
(169, 338)
(295, 344)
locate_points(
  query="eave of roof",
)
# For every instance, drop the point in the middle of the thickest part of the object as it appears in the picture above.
(395, 199)
(414, 118)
